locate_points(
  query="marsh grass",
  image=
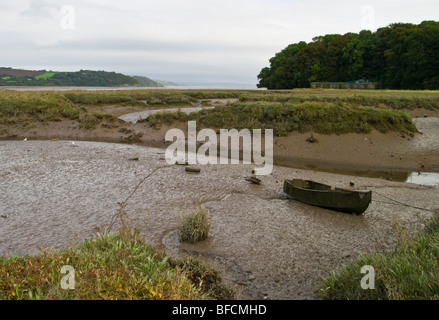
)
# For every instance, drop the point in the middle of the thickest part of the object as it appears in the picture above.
(136, 97)
(411, 272)
(18, 106)
(322, 117)
(156, 120)
(91, 120)
(30, 107)
(195, 225)
(321, 111)
(409, 103)
(107, 267)
(312, 139)
(205, 277)
(110, 266)
(400, 99)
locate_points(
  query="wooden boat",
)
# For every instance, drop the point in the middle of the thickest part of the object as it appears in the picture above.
(322, 195)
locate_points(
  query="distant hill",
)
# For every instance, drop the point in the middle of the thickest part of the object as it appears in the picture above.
(167, 83)
(83, 78)
(147, 82)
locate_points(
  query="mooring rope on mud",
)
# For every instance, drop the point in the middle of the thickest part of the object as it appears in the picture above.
(400, 203)
(122, 204)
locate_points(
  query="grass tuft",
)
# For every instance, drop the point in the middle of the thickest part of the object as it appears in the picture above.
(194, 226)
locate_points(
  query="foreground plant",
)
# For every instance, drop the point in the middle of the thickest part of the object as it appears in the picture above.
(110, 266)
(411, 272)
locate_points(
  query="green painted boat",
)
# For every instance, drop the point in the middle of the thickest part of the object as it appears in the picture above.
(325, 196)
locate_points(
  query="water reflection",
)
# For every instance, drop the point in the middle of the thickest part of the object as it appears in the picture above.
(424, 178)
(137, 116)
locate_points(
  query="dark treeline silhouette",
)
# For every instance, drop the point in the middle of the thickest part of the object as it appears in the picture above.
(400, 56)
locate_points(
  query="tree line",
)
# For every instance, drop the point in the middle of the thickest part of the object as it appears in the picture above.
(399, 56)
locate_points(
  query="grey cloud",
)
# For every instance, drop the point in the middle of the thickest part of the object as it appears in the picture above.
(40, 9)
(146, 45)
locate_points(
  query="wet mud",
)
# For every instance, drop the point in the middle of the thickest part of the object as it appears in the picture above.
(267, 245)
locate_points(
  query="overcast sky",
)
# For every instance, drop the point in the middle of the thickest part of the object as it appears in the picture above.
(186, 41)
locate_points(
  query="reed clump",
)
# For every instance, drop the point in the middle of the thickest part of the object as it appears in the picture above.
(195, 225)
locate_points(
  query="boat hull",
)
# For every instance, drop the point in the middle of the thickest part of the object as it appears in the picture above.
(321, 195)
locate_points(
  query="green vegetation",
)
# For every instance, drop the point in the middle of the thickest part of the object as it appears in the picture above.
(45, 76)
(25, 108)
(111, 266)
(17, 77)
(400, 56)
(320, 111)
(152, 98)
(377, 99)
(283, 118)
(411, 272)
(194, 226)
(91, 120)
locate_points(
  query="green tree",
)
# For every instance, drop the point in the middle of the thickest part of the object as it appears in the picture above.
(399, 56)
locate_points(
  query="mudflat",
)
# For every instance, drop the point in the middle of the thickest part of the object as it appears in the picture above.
(351, 152)
(267, 245)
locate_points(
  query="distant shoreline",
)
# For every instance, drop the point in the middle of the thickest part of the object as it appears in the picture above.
(55, 88)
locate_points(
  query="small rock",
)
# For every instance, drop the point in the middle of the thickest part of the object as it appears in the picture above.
(253, 180)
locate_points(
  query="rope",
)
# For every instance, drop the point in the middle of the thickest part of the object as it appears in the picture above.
(122, 204)
(401, 203)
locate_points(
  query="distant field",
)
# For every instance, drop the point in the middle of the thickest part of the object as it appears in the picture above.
(45, 76)
(18, 72)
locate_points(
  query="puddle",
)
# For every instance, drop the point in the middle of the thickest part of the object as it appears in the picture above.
(424, 178)
(420, 178)
(137, 116)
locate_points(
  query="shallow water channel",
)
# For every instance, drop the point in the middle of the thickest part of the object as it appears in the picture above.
(137, 116)
(267, 245)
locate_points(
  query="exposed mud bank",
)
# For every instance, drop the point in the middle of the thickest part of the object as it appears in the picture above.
(267, 245)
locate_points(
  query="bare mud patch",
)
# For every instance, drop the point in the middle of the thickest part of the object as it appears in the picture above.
(267, 245)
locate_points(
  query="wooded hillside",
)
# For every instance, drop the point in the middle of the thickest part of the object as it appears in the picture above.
(88, 78)
(400, 56)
